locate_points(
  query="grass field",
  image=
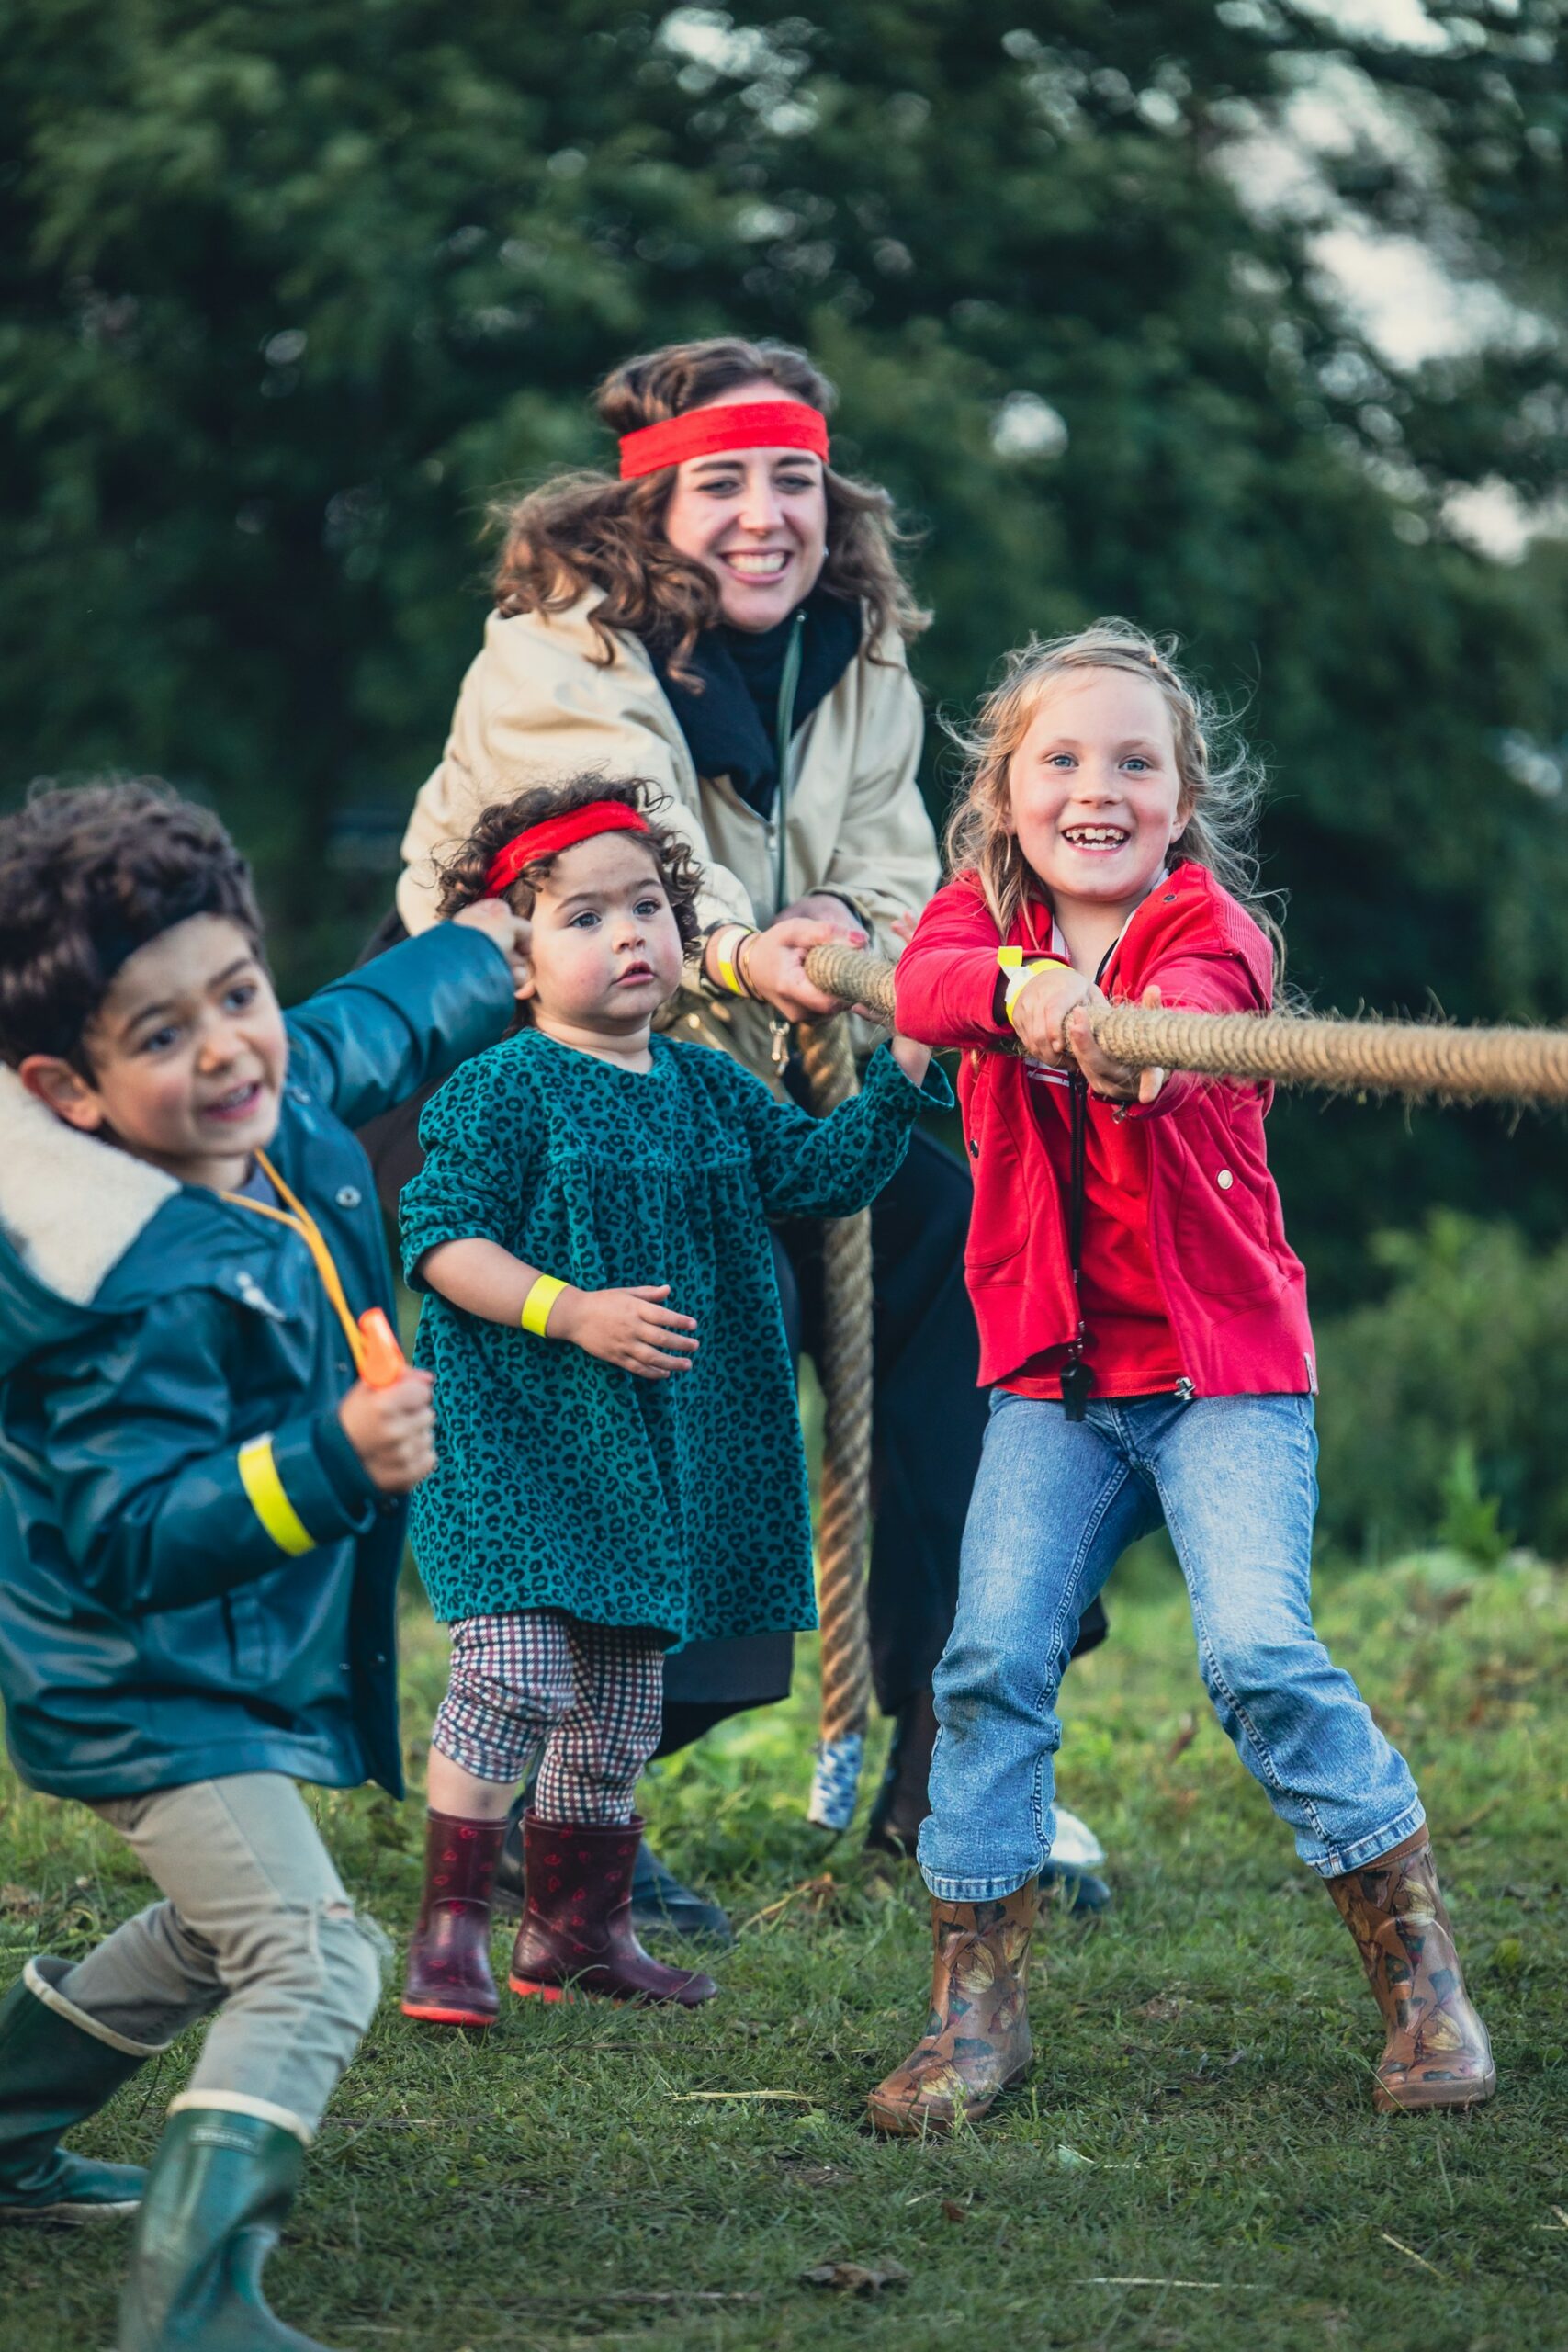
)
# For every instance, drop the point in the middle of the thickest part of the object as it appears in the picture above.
(1195, 2164)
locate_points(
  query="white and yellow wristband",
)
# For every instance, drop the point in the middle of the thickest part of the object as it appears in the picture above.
(541, 1298)
(1020, 970)
(728, 945)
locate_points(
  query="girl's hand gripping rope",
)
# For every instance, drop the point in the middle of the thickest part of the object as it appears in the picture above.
(1040, 1012)
(1114, 1081)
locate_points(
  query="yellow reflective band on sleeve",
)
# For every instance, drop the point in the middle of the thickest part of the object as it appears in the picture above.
(258, 1476)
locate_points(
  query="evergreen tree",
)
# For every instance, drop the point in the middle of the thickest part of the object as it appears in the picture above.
(292, 293)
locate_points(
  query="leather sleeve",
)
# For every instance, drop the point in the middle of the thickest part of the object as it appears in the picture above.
(399, 1023)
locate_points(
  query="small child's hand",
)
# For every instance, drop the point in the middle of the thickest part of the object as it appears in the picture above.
(512, 933)
(1040, 1012)
(392, 1430)
(629, 1328)
(913, 1058)
(1117, 1081)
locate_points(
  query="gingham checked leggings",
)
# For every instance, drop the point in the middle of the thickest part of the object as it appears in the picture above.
(591, 1697)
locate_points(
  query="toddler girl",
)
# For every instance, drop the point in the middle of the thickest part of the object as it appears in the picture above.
(1144, 1324)
(619, 1457)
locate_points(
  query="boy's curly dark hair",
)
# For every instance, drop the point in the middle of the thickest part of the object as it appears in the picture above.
(463, 870)
(88, 874)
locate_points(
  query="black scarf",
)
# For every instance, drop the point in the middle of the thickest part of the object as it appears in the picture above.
(731, 726)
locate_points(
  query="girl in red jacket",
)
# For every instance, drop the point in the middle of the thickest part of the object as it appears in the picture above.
(1144, 1331)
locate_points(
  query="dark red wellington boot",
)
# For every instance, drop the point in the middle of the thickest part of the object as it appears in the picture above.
(576, 1934)
(449, 1980)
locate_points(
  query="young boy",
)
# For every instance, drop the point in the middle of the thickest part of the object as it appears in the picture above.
(201, 1508)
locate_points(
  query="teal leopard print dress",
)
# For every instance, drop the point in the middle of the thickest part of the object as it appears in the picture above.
(565, 1483)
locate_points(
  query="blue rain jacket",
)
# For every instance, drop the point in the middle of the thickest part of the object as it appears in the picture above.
(161, 1619)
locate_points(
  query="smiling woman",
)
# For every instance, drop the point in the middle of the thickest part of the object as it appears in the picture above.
(725, 616)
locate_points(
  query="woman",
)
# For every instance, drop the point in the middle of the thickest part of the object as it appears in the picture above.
(727, 617)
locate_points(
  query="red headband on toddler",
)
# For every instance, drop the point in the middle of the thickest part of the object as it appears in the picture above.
(714, 432)
(556, 833)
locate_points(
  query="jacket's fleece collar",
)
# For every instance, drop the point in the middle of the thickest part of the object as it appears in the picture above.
(70, 1207)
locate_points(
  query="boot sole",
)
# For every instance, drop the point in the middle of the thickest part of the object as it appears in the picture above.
(914, 2123)
(430, 2013)
(70, 2216)
(1428, 2099)
(526, 1990)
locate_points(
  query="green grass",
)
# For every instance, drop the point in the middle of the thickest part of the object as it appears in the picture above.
(1199, 2110)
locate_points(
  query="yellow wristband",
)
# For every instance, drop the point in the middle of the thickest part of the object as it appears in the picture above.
(538, 1305)
(1020, 975)
(729, 965)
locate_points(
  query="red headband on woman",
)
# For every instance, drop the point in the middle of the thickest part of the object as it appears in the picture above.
(713, 432)
(557, 833)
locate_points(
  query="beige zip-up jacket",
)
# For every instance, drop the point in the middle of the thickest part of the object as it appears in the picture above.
(536, 705)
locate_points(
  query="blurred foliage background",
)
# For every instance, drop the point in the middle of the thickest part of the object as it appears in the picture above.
(292, 289)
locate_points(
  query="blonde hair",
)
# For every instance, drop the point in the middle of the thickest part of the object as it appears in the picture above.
(1221, 794)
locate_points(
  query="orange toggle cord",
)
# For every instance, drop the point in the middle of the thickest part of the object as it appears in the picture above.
(382, 1363)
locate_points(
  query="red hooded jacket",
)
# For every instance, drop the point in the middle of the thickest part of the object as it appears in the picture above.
(1235, 1292)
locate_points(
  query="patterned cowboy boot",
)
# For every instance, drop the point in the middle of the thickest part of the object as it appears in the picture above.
(976, 2038)
(449, 1980)
(1437, 2053)
(577, 1935)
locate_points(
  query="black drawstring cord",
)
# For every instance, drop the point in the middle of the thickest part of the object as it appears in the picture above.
(1076, 1378)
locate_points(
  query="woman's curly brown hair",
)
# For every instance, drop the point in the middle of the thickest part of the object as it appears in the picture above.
(589, 530)
(463, 871)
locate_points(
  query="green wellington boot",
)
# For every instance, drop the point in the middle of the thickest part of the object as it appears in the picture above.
(57, 2068)
(221, 2185)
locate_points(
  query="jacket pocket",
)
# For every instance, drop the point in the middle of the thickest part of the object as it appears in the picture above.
(1226, 1230)
(250, 1637)
(999, 1223)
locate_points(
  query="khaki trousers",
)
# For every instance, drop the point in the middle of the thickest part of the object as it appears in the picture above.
(255, 1931)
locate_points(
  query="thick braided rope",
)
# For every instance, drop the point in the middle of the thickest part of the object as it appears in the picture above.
(1371, 1056)
(846, 1371)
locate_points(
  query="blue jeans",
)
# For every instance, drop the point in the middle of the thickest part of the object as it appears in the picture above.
(1055, 1504)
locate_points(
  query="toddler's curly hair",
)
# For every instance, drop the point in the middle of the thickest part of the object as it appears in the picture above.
(464, 869)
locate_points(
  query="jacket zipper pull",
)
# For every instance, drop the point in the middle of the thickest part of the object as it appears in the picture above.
(1077, 1383)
